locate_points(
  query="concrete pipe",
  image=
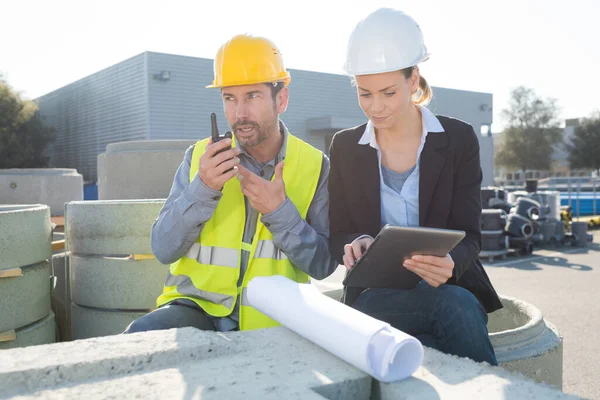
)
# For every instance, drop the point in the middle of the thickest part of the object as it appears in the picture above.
(494, 240)
(51, 186)
(61, 295)
(521, 243)
(528, 208)
(493, 220)
(116, 283)
(139, 169)
(90, 322)
(111, 227)
(25, 299)
(548, 230)
(518, 226)
(524, 342)
(25, 235)
(579, 231)
(40, 332)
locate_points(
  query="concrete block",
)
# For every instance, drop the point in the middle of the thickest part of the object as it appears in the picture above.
(119, 283)
(25, 299)
(61, 296)
(51, 186)
(91, 322)
(38, 333)
(524, 342)
(25, 235)
(139, 169)
(111, 227)
(264, 364)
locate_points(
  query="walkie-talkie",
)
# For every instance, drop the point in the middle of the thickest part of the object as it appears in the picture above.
(216, 137)
(215, 132)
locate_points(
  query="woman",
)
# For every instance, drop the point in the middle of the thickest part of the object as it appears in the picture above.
(406, 166)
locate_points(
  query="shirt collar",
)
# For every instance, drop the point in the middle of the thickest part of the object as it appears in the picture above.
(429, 121)
(281, 155)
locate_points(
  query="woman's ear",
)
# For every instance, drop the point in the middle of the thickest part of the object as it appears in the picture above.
(415, 79)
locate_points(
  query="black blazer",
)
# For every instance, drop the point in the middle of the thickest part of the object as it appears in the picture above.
(449, 197)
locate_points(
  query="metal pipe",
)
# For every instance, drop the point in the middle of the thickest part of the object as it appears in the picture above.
(578, 205)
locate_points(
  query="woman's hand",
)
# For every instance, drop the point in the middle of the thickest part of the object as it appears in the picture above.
(434, 270)
(354, 250)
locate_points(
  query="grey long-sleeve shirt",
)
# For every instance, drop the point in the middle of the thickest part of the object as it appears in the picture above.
(190, 205)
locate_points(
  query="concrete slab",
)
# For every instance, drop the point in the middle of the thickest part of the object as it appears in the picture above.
(264, 364)
(110, 227)
(121, 283)
(25, 299)
(51, 186)
(91, 322)
(25, 235)
(38, 333)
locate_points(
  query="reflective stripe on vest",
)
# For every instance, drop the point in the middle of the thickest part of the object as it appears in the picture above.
(209, 272)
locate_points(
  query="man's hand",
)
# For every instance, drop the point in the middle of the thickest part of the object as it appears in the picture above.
(353, 251)
(264, 196)
(434, 270)
(212, 166)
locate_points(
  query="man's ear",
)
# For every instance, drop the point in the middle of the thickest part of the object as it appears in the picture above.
(282, 99)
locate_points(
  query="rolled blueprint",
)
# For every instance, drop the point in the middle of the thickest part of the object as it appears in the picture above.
(373, 346)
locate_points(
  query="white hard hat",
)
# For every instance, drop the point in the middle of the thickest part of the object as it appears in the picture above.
(386, 40)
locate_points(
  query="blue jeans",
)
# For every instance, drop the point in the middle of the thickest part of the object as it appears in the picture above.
(448, 318)
(176, 314)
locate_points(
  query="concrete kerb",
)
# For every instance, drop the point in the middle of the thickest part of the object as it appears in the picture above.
(25, 299)
(116, 283)
(25, 235)
(264, 364)
(51, 186)
(110, 227)
(38, 333)
(93, 322)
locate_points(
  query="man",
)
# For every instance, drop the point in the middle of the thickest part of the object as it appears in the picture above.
(240, 212)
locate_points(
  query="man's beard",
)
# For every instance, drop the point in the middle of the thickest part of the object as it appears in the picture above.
(263, 132)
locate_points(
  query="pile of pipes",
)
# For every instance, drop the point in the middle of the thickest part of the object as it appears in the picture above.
(505, 225)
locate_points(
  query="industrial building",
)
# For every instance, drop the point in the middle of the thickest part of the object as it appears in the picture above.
(155, 96)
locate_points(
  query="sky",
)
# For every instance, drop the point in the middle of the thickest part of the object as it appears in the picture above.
(480, 45)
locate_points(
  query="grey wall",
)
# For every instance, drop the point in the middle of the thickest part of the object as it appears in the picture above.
(108, 106)
(163, 96)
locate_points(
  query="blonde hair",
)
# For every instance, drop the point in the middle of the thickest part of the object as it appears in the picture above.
(424, 93)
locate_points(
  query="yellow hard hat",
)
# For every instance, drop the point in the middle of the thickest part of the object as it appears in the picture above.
(246, 60)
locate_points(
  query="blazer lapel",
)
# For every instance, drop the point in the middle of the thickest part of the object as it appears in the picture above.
(432, 161)
(367, 165)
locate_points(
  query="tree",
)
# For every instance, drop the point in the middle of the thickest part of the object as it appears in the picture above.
(532, 131)
(584, 146)
(23, 136)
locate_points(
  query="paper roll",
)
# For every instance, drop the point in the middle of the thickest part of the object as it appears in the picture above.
(370, 345)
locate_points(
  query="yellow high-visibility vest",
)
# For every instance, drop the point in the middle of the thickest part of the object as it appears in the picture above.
(209, 272)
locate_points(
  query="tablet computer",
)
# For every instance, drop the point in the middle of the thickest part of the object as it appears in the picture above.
(381, 265)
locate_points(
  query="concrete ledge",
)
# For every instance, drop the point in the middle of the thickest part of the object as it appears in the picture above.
(91, 322)
(25, 235)
(25, 299)
(38, 333)
(265, 364)
(121, 283)
(111, 227)
(51, 186)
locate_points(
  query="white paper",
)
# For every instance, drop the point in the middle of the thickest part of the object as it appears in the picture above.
(373, 346)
